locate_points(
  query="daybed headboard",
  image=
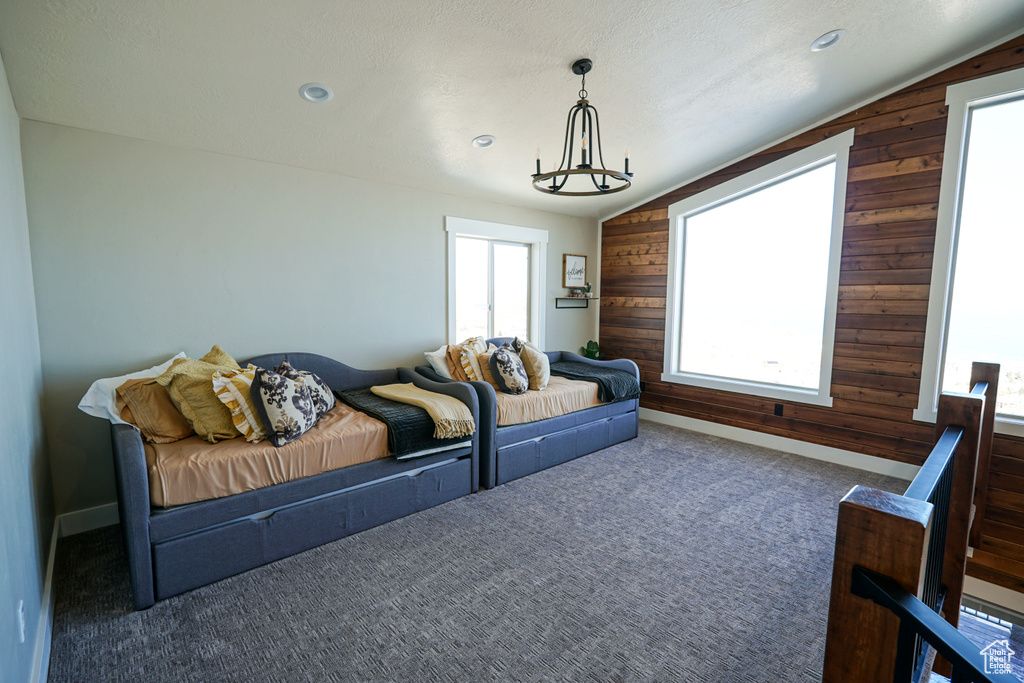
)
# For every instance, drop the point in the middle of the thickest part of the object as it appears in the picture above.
(618, 363)
(338, 376)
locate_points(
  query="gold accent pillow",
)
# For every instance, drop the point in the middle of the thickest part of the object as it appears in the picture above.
(234, 389)
(190, 385)
(485, 368)
(454, 357)
(148, 406)
(536, 362)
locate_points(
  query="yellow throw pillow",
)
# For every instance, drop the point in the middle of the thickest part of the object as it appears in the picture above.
(233, 388)
(485, 367)
(148, 406)
(468, 351)
(454, 357)
(190, 385)
(218, 356)
(538, 366)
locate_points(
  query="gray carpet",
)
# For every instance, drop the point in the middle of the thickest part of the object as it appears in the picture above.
(672, 557)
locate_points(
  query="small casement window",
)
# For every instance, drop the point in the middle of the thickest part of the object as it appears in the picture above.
(754, 276)
(976, 301)
(495, 277)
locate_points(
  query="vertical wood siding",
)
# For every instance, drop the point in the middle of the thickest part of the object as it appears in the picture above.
(891, 204)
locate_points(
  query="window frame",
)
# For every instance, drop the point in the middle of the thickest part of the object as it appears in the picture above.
(835, 148)
(962, 99)
(534, 238)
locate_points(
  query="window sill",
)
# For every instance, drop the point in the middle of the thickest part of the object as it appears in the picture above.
(774, 391)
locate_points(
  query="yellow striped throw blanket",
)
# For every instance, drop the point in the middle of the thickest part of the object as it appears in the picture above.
(451, 416)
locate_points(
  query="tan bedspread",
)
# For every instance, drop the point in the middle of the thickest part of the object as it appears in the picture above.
(192, 469)
(562, 396)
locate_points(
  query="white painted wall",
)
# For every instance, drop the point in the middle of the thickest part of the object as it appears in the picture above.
(141, 250)
(26, 505)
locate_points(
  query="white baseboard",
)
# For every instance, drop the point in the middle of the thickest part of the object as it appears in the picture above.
(1009, 601)
(41, 654)
(860, 461)
(68, 524)
(80, 521)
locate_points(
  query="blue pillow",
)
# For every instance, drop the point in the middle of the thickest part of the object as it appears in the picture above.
(509, 371)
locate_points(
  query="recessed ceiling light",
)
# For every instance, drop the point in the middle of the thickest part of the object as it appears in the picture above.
(483, 141)
(828, 40)
(316, 92)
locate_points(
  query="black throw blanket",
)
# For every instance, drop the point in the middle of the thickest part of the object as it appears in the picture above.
(612, 385)
(410, 428)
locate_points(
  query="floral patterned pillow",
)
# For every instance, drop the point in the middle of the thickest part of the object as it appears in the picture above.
(508, 370)
(323, 397)
(285, 406)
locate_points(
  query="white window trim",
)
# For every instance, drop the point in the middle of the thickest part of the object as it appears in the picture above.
(835, 148)
(538, 241)
(960, 98)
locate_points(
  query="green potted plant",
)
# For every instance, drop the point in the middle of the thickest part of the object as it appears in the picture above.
(592, 350)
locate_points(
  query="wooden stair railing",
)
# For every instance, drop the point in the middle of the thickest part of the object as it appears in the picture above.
(890, 535)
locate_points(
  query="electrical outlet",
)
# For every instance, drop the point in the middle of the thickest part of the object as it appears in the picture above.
(778, 409)
(21, 621)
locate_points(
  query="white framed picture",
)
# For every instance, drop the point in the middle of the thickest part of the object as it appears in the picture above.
(574, 270)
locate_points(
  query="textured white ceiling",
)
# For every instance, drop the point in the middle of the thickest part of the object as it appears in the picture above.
(686, 84)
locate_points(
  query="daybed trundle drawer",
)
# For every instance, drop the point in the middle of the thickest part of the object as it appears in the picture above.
(532, 456)
(604, 433)
(308, 525)
(522, 459)
(206, 556)
(187, 562)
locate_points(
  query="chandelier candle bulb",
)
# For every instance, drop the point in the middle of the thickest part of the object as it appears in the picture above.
(538, 161)
(627, 161)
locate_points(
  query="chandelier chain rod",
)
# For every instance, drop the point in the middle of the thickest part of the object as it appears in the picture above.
(595, 129)
(567, 144)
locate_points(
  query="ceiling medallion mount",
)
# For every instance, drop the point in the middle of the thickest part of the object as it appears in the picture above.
(604, 180)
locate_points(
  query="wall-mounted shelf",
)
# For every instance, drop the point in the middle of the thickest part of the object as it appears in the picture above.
(579, 299)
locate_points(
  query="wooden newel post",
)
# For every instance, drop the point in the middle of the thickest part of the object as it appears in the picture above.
(962, 410)
(888, 534)
(987, 373)
(958, 410)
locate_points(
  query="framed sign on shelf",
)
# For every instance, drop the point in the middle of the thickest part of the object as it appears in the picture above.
(574, 271)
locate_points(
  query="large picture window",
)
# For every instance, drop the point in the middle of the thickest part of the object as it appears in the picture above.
(976, 305)
(753, 278)
(494, 280)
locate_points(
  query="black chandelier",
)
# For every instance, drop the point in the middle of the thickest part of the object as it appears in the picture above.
(605, 181)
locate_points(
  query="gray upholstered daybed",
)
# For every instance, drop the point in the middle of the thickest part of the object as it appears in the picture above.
(515, 451)
(180, 548)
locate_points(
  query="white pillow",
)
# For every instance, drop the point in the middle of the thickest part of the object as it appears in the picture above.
(101, 399)
(439, 361)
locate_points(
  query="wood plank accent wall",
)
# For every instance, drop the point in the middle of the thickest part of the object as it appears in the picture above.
(891, 203)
